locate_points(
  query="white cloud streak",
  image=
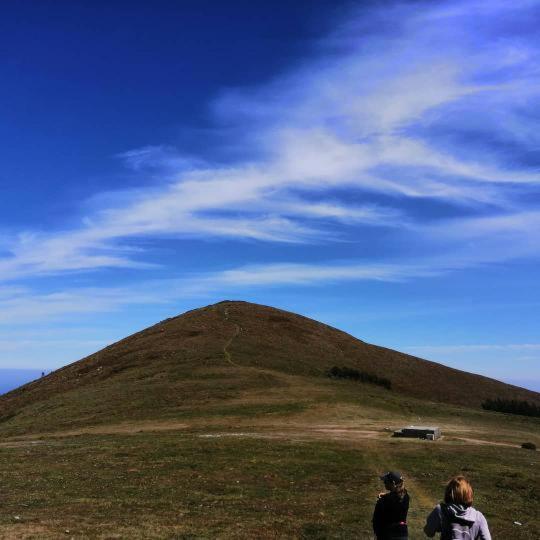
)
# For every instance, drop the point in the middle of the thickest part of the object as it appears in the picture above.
(26, 306)
(347, 122)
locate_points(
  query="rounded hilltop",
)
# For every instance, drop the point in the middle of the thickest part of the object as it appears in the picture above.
(225, 353)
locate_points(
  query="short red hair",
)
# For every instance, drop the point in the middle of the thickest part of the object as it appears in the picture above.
(458, 491)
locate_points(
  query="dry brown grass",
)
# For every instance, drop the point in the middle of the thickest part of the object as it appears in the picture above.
(228, 354)
(221, 423)
(235, 480)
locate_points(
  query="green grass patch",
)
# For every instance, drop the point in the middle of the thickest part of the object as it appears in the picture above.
(172, 485)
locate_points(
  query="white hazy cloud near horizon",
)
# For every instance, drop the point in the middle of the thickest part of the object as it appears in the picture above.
(358, 139)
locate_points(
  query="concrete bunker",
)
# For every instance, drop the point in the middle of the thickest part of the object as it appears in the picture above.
(430, 433)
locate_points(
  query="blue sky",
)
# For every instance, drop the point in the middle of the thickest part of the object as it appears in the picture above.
(372, 165)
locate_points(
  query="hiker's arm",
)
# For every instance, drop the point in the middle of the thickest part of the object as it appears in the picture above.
(378, 517)
(484, 530)
(433, 523)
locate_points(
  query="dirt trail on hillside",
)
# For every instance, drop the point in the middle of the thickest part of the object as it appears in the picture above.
(380, 464)
(238, 329)
(299, 432)
(484, 442)
(112, 429)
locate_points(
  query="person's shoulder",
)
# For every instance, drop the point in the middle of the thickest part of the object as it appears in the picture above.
(386, 499)
(438, 509)
(480, 516)
(483, 525)
(436, 515)
(394, 499)
(434, 522)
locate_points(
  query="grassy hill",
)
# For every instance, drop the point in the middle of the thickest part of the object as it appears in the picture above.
(222, 423)
(223, 354)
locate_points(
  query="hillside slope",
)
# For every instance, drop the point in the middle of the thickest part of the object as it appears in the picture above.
(217, 355)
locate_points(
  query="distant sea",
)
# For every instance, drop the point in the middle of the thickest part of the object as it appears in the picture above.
(13, 378)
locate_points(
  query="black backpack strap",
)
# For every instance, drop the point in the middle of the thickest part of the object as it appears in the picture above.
(446, 524)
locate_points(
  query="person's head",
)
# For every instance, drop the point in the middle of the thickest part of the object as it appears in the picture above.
(458, 491)
(393, 481)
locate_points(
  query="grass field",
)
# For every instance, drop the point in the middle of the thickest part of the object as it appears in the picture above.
(258, 470)
(222, 424)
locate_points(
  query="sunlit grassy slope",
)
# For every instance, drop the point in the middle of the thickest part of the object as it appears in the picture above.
(221, 423)
(220, 356)
(306, 469)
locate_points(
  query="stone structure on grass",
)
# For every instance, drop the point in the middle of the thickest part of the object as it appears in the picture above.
(431, 433)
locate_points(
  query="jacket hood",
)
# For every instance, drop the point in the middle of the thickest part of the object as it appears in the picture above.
(459, 513)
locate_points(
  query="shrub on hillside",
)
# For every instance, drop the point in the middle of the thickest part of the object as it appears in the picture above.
(528, 446)
(512, 406)
(361, 376)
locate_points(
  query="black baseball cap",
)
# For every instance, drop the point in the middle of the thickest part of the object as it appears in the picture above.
(392, 476)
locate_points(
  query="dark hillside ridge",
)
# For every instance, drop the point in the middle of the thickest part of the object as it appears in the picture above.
(159, 369)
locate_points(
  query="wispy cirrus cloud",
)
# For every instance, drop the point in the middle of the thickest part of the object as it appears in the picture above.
(375, 121)
(27, 305)
(160, 157)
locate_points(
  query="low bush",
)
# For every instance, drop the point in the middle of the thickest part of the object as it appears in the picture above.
(361, 376)
(528, 446)
(512, 406)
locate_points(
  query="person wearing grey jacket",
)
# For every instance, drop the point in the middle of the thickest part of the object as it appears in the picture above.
(456, 519)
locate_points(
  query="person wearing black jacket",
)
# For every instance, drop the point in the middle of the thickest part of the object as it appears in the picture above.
(390, 515)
